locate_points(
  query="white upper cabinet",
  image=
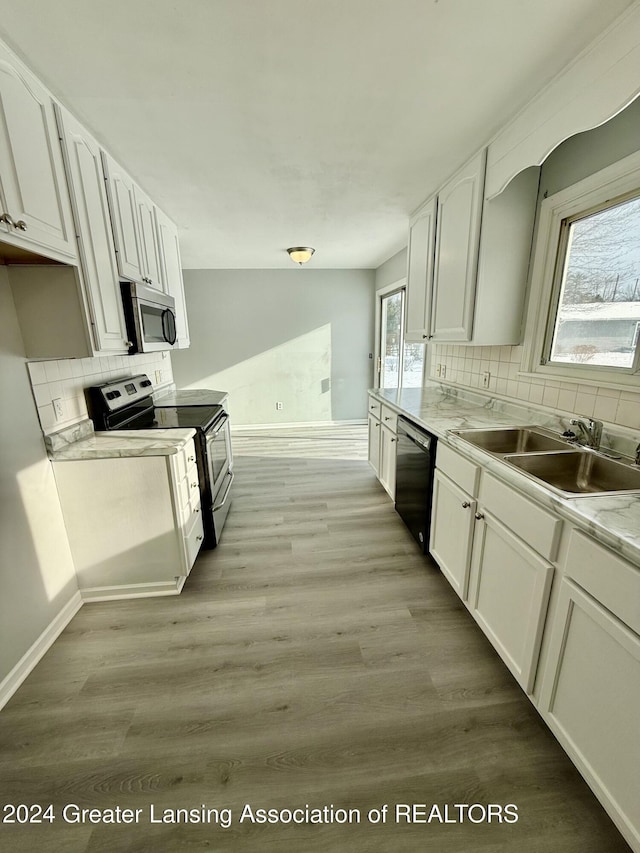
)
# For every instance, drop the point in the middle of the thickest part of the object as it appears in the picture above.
(36, 214)
(95, 241)
(422, 234)
(149, 245)
(459, 214)
(468, 260)
(147, 248)
(171, 273)
(124, 219)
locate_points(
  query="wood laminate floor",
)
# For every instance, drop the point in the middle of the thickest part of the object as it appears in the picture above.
(315, 657)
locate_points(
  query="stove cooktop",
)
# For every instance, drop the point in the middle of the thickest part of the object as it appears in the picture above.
(169, 417)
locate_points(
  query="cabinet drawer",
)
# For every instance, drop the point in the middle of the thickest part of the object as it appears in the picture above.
(374, 407)
(464, 473)
(533, 525)
(188, 511)
(608, 578)
(389, 418)
(193, 540)
(185, 458)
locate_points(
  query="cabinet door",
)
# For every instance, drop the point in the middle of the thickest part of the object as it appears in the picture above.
(420, 252)
(149, 248)
(388, 459)
(508, 596)
(374, 444)
(171, 268)
(452, 523)
(590, 699)
(124, 220)
(459, 215)
(95, 240)
(33, 191)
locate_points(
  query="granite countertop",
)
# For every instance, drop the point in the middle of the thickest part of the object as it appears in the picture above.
(86, 444)
(190, 397)
(612, 519)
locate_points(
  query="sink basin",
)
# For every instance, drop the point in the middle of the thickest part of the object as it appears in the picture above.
(512, 440)
(578, 472)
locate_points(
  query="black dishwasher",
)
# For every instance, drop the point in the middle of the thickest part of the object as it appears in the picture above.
(415, 462)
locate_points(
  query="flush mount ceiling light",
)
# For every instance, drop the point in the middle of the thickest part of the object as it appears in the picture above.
(300, 254)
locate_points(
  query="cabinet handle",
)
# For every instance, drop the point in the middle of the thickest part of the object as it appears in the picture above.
(21, 225)
(394, 439)
(7, 219)
(465, 504)
(479, 516)
(387, 418)
(194, 485)
(198, 538)
(191, 459)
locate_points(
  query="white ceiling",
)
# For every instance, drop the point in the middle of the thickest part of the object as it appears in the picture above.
(262, 124)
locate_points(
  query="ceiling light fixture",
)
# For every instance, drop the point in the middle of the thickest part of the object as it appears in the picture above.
(300, 254)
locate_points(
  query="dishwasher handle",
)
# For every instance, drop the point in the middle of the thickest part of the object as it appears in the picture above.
(417, 436)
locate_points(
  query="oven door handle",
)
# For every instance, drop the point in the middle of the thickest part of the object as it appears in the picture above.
(221, 503)
(218, 425)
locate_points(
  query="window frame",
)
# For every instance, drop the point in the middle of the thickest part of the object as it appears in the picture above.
(612, 183)
(381, 293)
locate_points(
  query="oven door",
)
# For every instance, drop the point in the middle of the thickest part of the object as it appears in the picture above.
(219, 462)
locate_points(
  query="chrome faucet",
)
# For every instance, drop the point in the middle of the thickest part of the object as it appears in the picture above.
(591, 431)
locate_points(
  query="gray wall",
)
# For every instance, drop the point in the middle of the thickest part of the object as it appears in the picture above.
(36, 570)
(300, 336)
(393, 269)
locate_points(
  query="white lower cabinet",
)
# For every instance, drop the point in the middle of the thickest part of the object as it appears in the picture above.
(508, 595)
(561, 610)
(383, 422)
(387, 469)
(590, 694)
(494, 547)
(134, 524)
(374, 443)
(452, 524)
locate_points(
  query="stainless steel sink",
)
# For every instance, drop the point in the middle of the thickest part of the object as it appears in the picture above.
(578, 472)
(512, 440)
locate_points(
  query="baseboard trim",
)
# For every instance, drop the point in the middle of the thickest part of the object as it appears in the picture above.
(33, 655)
(250, 427)
(134, 590)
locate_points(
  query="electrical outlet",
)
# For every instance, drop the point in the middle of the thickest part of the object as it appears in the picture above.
(158, 377)
(58, 409)
(443, 371)
(486, 376)
(438, 370)
(278, 407)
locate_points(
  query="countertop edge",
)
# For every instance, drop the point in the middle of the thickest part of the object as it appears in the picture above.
(596, 515)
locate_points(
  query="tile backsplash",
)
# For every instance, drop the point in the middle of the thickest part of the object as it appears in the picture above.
(465, 366)
(64, 380)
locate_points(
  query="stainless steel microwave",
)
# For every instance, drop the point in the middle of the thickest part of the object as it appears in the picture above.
(150, 316)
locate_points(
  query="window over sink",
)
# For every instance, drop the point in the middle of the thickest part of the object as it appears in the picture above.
(584, 310)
